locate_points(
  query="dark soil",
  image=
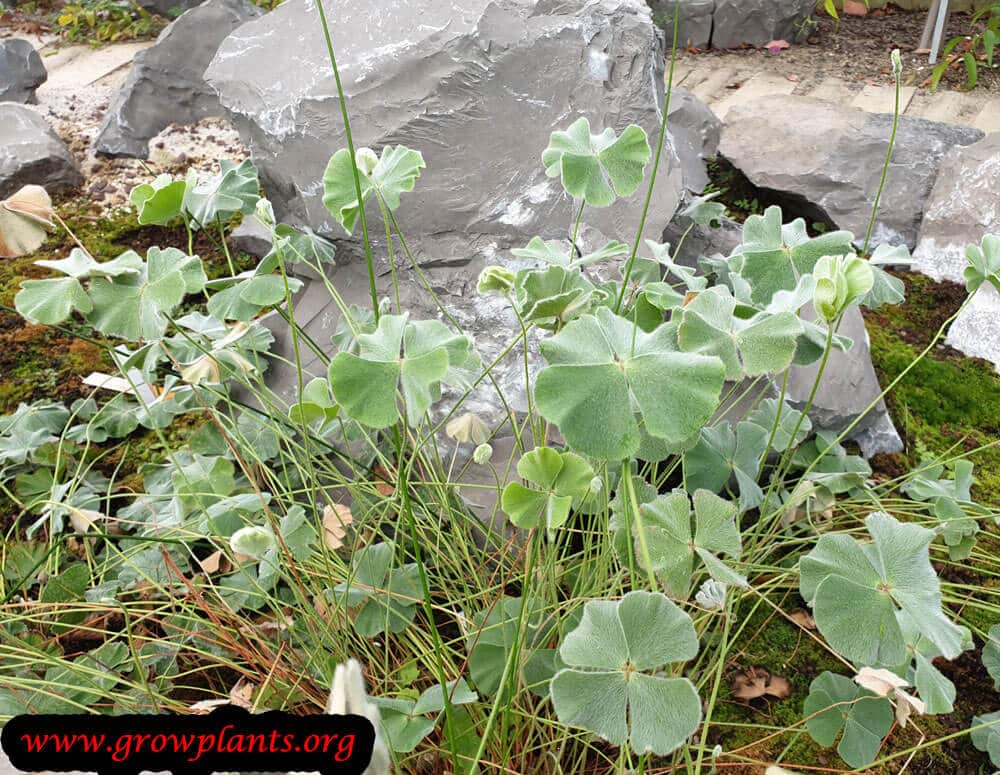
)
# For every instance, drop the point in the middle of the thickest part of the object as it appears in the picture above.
(858, 49)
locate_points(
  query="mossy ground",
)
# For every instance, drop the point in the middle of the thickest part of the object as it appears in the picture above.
(39, 362)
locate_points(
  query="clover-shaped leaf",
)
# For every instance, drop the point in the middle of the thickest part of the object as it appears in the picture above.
(610, 687)
(404, 721)
(558, 478)
(951, 500)
(986, 735)
(991, 655)
(396, 172)
(984, 263)
(25, 217)
(554, 252)
(752, 347)
(886, 288)
(703, 210)
(836, 470)
(492, 635)
(721, 454)
(235, 189)
(935, 690)
(597, 168)
(835, 703)
(411, 357)
(856, 589)
(161, 201)
(781, 418)
(135, 306)
(316, 406)
(773, 256)
(661, 255)
(675, 535)
(600, 367)
(553, 296)
(302, 244)
(53, 301)
(388, 596)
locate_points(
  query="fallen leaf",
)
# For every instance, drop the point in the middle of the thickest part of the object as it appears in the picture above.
(855, 8)
(758, 682)
(336, 518)
(803, 618)
(24, 218)
(879, 681)
(907, 704)
(83, 520)
(382, 481)
(777, 46)
(792, 77)
(921, 51)
(241, 693)
(216, 562)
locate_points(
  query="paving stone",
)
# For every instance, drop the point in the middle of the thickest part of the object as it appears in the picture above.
(761, 85)
(882, 99)
(833, 90)
(988, 119)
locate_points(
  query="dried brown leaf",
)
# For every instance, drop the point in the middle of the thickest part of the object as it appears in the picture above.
(803, 618)
(24, 218)
(758, 682)
(336, 518)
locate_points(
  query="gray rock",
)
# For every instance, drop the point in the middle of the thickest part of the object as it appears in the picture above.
(848, 387)
(477, 87)
(976, 331)
(21, 71)
(963, 207)
(696, 131)
(825, 161)
(252, 237)
(169, 9)
(166, 84)
(694, 21)
(756, 22)
(699, 241)
(30, 152)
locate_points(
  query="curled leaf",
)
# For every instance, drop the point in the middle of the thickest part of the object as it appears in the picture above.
(24, 218)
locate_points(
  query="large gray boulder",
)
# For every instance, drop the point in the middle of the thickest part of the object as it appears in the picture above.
(963, 207)
(166, 84)
(476, 86)
(694, 21)
(21, 71)
(825, 161)
(30, 152)
(757, 22)
(696, 131)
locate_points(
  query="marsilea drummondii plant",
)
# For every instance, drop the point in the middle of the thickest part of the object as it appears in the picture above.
(639, 381)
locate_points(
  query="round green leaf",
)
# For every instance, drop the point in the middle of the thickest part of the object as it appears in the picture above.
(606, 687)
(599, 365)
(597, 168)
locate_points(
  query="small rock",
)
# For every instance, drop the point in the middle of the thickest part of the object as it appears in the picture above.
(169, 9)
(166, 83)
(848, 387)
(30, 152)
(251, 237)
(21, 71)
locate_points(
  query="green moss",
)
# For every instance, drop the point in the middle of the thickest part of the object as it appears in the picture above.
(946, 400)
